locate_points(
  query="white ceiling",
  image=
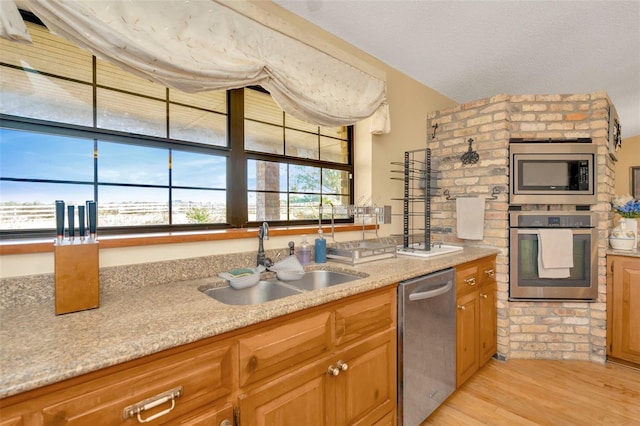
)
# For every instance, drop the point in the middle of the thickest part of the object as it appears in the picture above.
(469, 50)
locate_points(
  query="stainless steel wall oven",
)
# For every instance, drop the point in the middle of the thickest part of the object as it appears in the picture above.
(525, 282)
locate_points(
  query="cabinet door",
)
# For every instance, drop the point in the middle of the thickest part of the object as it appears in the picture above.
(366, 390)
(467, 337)
(212, 416)
(488, 322)
(625, 339)
(301, 397)
(273, 350)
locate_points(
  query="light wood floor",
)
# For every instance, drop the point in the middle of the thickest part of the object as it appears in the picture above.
(541, 392)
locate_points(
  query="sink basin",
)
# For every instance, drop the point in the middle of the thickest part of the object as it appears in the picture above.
(313, 280)
(268, 290)
(264, 291)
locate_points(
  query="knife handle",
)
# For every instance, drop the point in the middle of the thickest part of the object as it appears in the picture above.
(59, 221)
(93, 217)
(81, 218)
(71, 219)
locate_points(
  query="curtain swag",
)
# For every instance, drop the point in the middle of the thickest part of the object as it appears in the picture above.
(203, 45)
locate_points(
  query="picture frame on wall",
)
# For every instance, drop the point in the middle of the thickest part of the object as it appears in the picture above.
(635, 182)
(615, 134)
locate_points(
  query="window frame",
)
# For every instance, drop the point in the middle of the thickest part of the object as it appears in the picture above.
(236, 156)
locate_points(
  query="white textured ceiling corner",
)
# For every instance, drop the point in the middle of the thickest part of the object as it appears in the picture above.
(469, 50)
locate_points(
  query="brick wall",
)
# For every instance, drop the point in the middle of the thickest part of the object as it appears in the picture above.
(550, 330)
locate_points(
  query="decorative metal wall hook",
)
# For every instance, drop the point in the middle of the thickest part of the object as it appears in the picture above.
(470, 157)
(434, 127)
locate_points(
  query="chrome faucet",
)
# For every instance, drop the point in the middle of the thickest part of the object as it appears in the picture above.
(263, 234)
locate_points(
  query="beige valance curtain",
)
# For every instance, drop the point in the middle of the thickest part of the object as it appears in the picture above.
(202, 45)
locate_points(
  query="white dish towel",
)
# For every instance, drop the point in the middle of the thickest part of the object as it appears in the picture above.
(470, 218)
(555, 253)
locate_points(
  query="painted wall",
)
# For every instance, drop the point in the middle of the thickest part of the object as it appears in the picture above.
(628, 156)
(409, 103)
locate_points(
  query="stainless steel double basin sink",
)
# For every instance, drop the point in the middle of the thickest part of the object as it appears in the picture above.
(272, 289)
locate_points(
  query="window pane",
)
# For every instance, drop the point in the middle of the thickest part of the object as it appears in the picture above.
(211, 100)
(263, 138)
(32, 95)
(294, 123)
(267, 206)
(304, 179)
(199, 206)
(339, 203)
(196, 125)
(201, 170)
(27, 155)
(303, 207)
(266, 176)
(132, 206)
(131, 114)
(334, 150)
(121, 163)
(335, 181)
(31, 205)
(260, 106)
(112, 76)
(48, 53)
(301, 144)
(339, 132)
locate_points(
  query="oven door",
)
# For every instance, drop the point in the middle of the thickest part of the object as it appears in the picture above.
(524, 282)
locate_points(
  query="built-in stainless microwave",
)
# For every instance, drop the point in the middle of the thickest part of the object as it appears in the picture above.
(553, 173)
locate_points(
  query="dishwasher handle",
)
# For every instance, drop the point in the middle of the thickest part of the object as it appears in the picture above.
(432, 293)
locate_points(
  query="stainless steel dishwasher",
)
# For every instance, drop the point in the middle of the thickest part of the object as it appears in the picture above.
(426, 345)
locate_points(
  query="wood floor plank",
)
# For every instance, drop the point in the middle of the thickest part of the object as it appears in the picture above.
(545, 392)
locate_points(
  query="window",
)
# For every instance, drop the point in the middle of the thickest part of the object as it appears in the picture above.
(75, 128)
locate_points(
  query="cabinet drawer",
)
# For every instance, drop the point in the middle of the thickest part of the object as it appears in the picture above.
(487, 271)
(467, 278)
(278, 348)
(365, 317)
(204, 375)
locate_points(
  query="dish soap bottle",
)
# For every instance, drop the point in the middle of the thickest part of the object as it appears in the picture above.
(321, 248)
(304, 252)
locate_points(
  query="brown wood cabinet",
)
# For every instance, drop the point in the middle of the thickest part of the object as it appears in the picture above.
(623, 308)
(333, 364)
(476, 319)
(352, 382)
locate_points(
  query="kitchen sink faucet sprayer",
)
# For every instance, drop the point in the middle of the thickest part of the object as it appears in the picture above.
(263, 234)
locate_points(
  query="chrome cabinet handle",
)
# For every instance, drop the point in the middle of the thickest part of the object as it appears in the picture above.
(343, 365)
(489, 272)
(470, 281)
(226, 422)
(333, 371)
(483, 295)
(149, 403)
(461, 307)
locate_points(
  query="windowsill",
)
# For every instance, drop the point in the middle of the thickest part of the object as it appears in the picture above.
(137, 240)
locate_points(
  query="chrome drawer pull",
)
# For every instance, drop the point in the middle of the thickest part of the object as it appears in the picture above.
(470, 281)
(490, 272)
(149, 403)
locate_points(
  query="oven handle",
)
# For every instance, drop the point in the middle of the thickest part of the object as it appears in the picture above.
(575, 231)
(431, 293)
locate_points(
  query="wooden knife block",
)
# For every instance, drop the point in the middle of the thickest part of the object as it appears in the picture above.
(77, 277)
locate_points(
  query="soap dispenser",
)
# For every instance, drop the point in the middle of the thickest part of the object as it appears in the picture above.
(321, 248)
(304, 252)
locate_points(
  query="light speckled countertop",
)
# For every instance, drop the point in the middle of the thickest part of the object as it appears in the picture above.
(39, 348)
(629, 253)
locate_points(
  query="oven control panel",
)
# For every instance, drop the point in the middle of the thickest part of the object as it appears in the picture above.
(536, 219)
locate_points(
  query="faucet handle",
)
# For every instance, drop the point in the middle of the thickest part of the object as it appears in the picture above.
(292, 248)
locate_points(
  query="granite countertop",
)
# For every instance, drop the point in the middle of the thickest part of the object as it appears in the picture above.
(39, 348)
(629, 253)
